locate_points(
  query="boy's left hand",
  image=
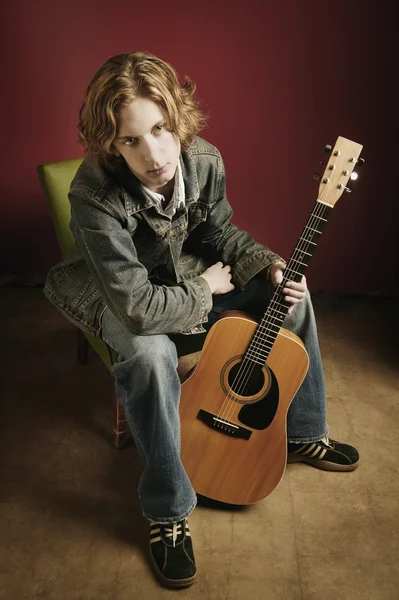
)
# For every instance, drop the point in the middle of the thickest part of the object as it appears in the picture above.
(293, 292)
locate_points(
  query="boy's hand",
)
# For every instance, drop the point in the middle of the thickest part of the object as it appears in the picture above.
(293, 292)
(218, 278)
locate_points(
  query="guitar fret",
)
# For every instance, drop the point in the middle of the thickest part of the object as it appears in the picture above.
(281, 308)
(261, 363)
(271, 325)
(260, 339)
(298, 261)
(278, 312)
(274, 311)
(294, 272)
(311, 229)
(258, 355)
(264, 343)
(280, 316)
(276, 317)
(266, 340)
(308, 241)
(263, 327)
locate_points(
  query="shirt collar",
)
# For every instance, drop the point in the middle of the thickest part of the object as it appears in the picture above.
(178, 197)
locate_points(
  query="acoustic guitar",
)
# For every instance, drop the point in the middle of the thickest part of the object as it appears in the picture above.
(234, 405)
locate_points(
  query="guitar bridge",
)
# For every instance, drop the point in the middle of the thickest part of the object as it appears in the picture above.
(223, 425)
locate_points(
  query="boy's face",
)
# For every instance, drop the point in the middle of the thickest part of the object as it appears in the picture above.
(149, 149)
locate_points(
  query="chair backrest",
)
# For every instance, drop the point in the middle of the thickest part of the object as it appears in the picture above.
(56, 178)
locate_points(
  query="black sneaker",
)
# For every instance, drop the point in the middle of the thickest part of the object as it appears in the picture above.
(172, 553)
(325, 454)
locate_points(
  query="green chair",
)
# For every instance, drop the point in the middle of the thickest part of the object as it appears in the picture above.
(56, 178)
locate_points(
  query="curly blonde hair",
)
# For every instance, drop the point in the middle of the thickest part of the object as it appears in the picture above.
(120, 80)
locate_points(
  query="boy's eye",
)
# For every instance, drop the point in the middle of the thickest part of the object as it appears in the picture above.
(130, 142)
(159, 128)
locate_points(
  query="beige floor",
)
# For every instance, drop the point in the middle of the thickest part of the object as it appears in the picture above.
(71, 526)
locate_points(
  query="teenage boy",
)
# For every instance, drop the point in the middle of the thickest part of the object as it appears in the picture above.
(158, 255)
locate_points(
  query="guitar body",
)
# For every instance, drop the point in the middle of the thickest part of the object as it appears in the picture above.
(233, 441)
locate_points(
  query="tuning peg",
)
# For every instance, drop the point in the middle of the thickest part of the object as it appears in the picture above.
(354, 176)
(360, 162)
(327, 148)
(348, 190)
(317, 176)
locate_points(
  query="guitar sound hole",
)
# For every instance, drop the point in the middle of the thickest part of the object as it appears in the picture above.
(248, 382)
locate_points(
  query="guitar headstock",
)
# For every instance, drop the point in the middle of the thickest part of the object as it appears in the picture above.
(343, 159)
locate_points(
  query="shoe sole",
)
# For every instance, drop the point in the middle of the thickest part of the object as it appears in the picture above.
(172, 583)
(323, 465)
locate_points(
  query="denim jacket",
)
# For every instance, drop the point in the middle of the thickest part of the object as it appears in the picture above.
(142, 264)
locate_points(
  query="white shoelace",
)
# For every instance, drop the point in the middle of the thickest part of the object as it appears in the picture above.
(326, 441)
(173, 532)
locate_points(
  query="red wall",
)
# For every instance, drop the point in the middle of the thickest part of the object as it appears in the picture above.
(280, 80)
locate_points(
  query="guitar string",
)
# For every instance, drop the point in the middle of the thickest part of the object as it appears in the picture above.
(264, 330)
(266, 323)
(270, 317)
(274, 313)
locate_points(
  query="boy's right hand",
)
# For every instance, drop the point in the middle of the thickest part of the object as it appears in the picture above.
(218, 278)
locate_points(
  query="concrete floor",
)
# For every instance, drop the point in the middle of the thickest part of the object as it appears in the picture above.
(71, 526)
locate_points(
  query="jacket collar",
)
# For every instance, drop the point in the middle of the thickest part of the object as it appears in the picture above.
(190, 178)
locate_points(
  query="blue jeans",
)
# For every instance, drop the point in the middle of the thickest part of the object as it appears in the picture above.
(148, 387)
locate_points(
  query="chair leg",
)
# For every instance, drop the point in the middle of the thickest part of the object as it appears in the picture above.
(122, 434)
(82, 349)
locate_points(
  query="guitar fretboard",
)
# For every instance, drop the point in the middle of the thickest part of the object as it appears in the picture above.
(268, 328)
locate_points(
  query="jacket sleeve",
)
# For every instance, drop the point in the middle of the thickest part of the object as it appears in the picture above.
(222, 240)
(111, 256)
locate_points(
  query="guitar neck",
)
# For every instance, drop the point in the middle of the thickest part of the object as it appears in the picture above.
(268, 328)
(303, 252)
(344, 156)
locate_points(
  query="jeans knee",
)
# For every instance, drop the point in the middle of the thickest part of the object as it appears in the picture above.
(147, 382)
